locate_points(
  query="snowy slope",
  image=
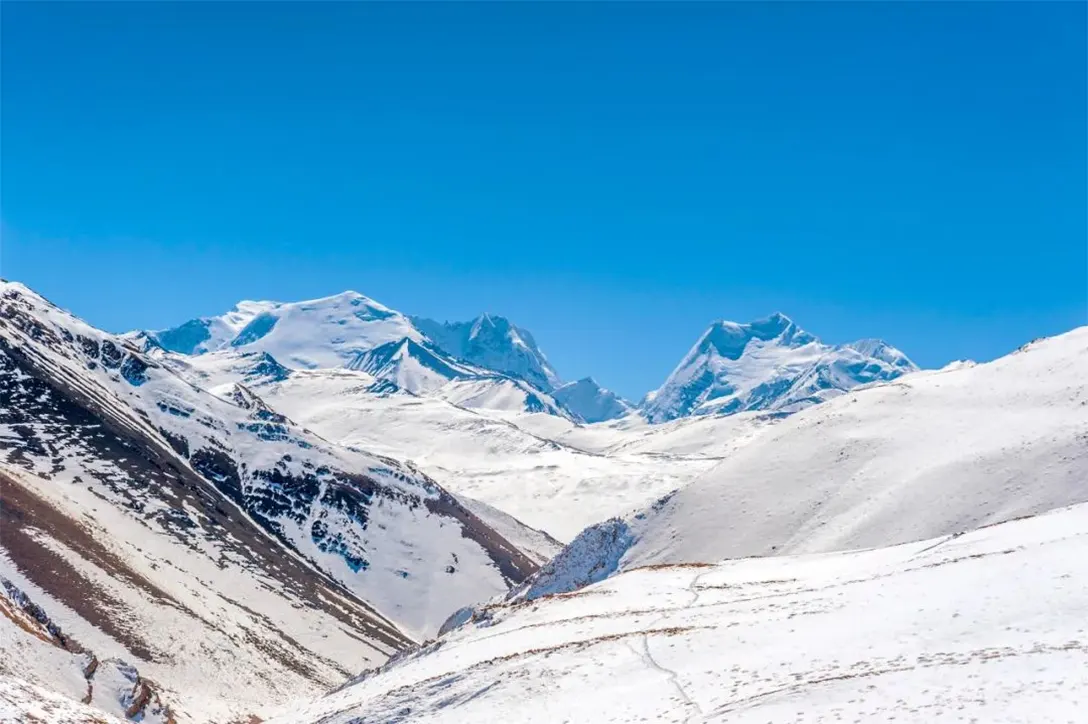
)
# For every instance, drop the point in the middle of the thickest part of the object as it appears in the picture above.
(22, 701)
(38, 651)
(547, 471)
(536, 544)
(591, 402)
(495, 343)
(986, 627)
(934, 453)
(770, 364)
(90, 415)
(490, 392)
(412, 366)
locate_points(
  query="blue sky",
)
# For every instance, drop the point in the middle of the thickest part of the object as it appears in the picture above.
(611, 176)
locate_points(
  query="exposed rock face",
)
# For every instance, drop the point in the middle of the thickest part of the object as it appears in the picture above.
(93, 427)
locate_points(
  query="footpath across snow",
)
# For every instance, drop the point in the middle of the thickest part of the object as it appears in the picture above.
(990, 626)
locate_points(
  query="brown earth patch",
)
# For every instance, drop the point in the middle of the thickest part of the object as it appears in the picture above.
(22, 513)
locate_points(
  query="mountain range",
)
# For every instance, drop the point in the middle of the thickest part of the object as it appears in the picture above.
(328, 511)
(146, 520)
(766, 365)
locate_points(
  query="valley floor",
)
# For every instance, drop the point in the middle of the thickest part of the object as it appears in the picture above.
(985, 627)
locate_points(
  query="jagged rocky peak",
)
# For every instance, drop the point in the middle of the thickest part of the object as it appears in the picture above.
(768, 364)
(591, 402)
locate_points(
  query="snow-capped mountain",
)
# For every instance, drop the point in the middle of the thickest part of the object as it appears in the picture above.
(932, 454)
(591, 402)
(495, 343)
(422, 369)
(158, 522)
(770, 364)
(178, 545)
(493, 363)
(317, 333)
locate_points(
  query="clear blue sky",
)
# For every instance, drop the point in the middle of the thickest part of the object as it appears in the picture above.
(611, 176)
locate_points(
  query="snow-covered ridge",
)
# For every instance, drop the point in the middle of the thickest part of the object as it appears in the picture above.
(769, 364)
(231, 493)
(350, 330)
(934, 453)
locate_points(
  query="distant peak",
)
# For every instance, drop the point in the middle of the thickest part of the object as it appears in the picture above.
(494, 320)
(585, 382)
(488, 322)
(773, 325)
(729, 339)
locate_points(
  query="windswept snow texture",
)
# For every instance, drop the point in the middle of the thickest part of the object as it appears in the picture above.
(591, 402)
(986, 627)
(495, 343)
(935, 453)
(770, 364)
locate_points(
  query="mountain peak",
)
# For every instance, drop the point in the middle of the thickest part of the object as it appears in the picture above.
(768, 364)
(591, 402)
(730, 339)
(493, 342)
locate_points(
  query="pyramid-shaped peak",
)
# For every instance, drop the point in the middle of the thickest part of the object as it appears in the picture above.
(488, 321)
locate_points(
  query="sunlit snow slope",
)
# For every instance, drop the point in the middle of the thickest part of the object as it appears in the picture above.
(986, 627)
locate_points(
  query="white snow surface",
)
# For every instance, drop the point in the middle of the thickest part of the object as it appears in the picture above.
(548, 472)
(987, 627)
(536, 544)
(22, 701)
(211, 641)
